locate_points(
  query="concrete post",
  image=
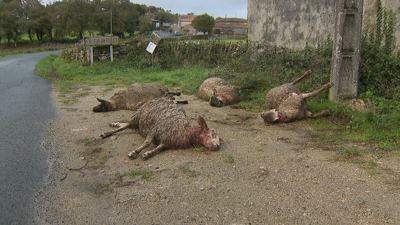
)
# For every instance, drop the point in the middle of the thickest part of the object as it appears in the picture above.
(346, 49)
(91, 55)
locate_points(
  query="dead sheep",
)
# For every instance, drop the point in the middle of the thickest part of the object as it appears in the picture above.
(278, 94)
(219, 93)
(287, 103)
(132, 98)
(165, 123)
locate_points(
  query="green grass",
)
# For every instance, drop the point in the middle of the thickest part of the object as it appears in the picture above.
(118, 174)
(355, 156)
(199, 148)
(379, 124)
(87, 140)
(349, 153)
(186, 170)
(119, 73)
(103, 159)
(228, 158)
(146, 173)
(94, 149)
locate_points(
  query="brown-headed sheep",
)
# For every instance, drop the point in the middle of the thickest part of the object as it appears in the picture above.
(219, 93)
(132, 98)
(287, 104)
(165, 123)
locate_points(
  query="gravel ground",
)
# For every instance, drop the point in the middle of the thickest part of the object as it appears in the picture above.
(261, 175)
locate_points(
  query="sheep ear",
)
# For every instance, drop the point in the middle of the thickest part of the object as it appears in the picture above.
(214, 92)
(101, 100)
(202, 121)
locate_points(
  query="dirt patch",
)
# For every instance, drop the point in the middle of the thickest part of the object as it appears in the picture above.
(261, 175)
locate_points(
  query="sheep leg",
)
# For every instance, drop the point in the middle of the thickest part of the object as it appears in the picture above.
(121, 126)
(174, 93)
(247, 87)
(118, 124)
(300, 78)
(315, 115)
(144, 145)
(317, 92)
(182, 102)
(245, 98)
(149, 154)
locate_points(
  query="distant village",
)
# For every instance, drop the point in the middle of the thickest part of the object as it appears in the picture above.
(224, 27)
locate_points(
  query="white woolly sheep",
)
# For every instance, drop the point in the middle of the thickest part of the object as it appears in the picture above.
(165, 123)
(219, 93)
(287, 104)
(132, 98)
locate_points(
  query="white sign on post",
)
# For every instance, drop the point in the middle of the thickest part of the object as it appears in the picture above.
(150, 48)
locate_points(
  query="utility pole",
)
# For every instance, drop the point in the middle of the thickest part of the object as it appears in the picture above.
(111, 34)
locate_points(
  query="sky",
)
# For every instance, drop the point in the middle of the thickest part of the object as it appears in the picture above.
(216, 8)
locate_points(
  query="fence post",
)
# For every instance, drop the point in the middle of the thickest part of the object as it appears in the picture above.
(346, 49)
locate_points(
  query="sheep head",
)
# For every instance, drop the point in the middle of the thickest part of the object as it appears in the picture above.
(215, 100)
(208, 137)
(273, 116)
(104, 106)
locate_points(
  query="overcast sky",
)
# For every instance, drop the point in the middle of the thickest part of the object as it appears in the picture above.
(216, 8)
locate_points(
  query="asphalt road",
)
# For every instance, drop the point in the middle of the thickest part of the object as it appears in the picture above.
(25, 110)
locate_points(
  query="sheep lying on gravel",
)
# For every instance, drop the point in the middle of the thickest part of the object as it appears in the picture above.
(278, 94)
(132, 98)
(287, 104)
(165, 123)
(219, 93)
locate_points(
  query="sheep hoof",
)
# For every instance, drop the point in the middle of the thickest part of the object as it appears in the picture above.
(104, 135)
(146, 155)
(133, 155)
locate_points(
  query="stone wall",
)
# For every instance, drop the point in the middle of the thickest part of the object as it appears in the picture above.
(82, 52)
(370, 12)
(290, 23)
(128, 47)
(296, 23)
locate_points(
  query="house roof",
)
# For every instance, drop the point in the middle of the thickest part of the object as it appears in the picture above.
(187, 20)
(236, 20)
(183, 17)
(230, 25)
(189, 26)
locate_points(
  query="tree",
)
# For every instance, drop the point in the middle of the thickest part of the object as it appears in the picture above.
(204, 23)
(130, 16)
(56, 12)
(42, 24)
(140, 8)
(165, 17)
(145, 24)
(14, 20)
(151, 10)
(76, 16)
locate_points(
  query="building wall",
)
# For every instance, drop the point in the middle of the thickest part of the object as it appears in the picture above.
(294, 23)
(370, 12)
(290, 23)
